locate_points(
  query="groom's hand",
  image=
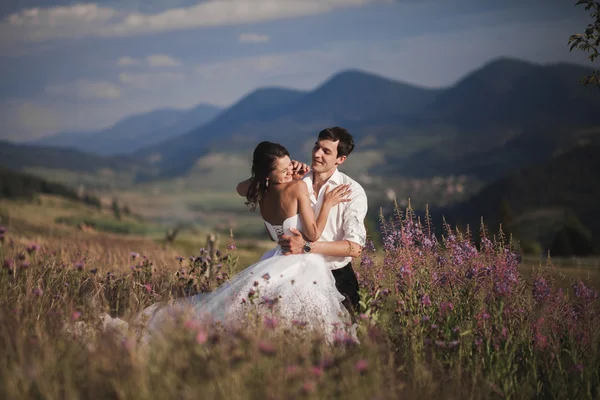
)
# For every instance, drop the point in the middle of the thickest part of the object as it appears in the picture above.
(299, 169)
(292, 244)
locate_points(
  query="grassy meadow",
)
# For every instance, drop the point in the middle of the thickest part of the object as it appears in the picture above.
(440, 317)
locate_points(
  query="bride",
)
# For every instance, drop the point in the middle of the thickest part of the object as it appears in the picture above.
(295, 289)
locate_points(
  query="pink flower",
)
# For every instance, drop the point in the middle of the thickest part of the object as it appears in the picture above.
(201, 336)
(266, 348)
(316, 372)
(148, 287)
(308, 387)
(361, 366)
(75, 316)
(269, 322)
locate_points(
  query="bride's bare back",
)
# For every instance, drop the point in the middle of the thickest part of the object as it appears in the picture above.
(280, 202)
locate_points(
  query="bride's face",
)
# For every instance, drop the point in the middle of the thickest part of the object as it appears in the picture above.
(282, 172)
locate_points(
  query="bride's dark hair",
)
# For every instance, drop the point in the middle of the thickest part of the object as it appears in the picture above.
(264, 159)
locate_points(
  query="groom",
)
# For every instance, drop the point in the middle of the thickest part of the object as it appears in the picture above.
(344, 235)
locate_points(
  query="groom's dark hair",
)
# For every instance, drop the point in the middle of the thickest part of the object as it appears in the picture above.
(346, 142)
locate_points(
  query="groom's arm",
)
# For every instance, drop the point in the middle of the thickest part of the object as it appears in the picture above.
(355, 233)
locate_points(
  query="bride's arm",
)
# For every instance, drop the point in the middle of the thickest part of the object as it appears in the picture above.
(242, 187)
(314, 227)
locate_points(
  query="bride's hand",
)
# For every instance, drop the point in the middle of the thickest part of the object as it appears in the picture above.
(337, 195)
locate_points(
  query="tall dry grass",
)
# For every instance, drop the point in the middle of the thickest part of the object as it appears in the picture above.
(440, 317)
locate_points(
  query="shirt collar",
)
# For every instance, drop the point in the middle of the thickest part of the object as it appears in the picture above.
(336, 178)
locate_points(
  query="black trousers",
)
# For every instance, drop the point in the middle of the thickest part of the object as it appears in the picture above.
(347, 284)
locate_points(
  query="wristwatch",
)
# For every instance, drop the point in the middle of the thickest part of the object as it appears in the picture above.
(307, 247)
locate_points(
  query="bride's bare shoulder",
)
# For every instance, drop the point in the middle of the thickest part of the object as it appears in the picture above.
(298, 187)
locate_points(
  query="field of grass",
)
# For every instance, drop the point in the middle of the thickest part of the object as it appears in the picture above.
(439, 318)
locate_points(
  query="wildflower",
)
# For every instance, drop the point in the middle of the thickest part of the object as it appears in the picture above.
(266, 276)
(446, 307)
(425, 318)
(79, 266)
(2, 229)
(299, 323)
(94, 271)
(38, 291)
(361, 366)
(134, 255)
(270, 322)
(231, 246)
(201, 336)
(317, 372)
(584, 292)
(425, 301)
(148, 287)
(270, 303)
(25, 264)
(32, 248)
(266, 348)
(191, 324)
(8, 263)
(75, 315)
(308, 387)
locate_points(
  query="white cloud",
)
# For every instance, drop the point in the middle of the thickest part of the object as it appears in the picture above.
(153, 60)
(151, 80)
(253, 38)
(79, 20)
(162, 60)
(85, 89)
(40, 24)
(127, 61)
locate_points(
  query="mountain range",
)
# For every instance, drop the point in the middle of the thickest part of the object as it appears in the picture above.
(506, 114)
(134, 132)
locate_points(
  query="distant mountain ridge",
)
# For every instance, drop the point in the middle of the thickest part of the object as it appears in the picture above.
(134, 132)
(504, 115)
(292, 117)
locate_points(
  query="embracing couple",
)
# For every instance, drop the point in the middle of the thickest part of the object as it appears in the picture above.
(316, 215)
(311, 210)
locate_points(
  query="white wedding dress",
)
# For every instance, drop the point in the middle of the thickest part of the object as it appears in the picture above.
(294, 289)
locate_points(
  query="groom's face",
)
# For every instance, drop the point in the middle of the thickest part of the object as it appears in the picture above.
(324, 156)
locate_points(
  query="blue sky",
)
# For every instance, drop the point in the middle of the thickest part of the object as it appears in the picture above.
(83, 66)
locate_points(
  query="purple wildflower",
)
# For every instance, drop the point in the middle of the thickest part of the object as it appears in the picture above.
(425, 301)
(541, 289)
(361, 366)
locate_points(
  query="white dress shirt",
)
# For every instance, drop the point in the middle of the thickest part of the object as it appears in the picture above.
(346, 221)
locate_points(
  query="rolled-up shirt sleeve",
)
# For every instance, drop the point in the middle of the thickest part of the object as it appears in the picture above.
(354, 217)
